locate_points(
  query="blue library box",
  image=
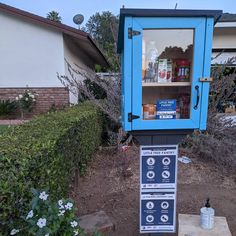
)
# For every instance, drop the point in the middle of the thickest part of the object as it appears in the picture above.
(166, 60)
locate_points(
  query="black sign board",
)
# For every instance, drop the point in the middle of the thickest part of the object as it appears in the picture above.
(158, 167)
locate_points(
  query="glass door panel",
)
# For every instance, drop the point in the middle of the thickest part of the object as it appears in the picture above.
(167, 62)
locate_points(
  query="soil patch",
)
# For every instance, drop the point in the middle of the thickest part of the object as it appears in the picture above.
(111, 184)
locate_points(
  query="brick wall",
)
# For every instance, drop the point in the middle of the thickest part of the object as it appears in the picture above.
(46, 98)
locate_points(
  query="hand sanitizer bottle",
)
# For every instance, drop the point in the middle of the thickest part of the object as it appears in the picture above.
(207, 216)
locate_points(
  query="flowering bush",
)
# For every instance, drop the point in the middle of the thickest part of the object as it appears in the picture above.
(26, 101)
(46, 217)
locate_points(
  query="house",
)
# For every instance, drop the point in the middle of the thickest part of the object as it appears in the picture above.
(224, 39)
(34, 49)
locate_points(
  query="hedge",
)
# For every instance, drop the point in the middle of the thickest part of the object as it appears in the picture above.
(43, 154)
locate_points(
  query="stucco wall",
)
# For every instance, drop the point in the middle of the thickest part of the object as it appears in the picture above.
(77, 59)
(30, 54)
(224, 38)
(75, 55)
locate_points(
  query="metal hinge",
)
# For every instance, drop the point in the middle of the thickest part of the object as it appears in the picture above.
(131, 117)
(132, 33)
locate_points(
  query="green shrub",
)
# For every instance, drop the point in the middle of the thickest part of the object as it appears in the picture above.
(48, 217)
(3, 128)
(7, 107)
(44, 153)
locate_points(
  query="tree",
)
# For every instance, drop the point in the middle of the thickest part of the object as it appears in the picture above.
(54, 16)
(104, 30)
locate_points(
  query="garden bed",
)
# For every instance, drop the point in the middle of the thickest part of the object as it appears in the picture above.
(107, 187)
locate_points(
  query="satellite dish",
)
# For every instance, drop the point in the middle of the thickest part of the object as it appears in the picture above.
(78, 19)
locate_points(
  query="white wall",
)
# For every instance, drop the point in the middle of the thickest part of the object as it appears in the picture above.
(75, 55)
(224, 38)
(29, 54)
(77, 59)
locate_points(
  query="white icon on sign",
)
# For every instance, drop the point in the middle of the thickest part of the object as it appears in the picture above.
(150, 218)
(150, 174)
(164, 218)
(150, 161)
(165, 174)
(164, 205)
(149, 205)
(166, 161)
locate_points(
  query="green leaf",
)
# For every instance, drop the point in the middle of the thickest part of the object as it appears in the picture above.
(35, 203)
(34, 191)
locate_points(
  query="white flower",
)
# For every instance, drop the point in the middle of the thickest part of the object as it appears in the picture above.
(61, 213)
(14, 231)
(75, 232)
(73, 224)
(26, 99)
(60, 202)
(41, 222)
(43, 196)
(31, 95)
(17, 98)
(46, 234)
(30, 215)
(69, 206)
(20, 96)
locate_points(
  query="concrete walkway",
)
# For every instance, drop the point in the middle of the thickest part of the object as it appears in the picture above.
(98, 221)
(12, 122)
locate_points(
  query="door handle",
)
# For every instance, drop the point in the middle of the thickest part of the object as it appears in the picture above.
(198, 97)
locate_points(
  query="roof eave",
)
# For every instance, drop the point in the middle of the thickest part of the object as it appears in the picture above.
(55, 25)
(105, 62)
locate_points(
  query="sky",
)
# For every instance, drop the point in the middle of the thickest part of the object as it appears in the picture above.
(69, 8)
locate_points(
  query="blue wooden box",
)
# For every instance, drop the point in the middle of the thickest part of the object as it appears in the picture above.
(165, 54)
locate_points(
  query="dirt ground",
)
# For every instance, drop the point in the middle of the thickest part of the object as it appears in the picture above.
(112, 185)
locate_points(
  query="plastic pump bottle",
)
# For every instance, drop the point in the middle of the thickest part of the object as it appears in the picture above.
(207, 216)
